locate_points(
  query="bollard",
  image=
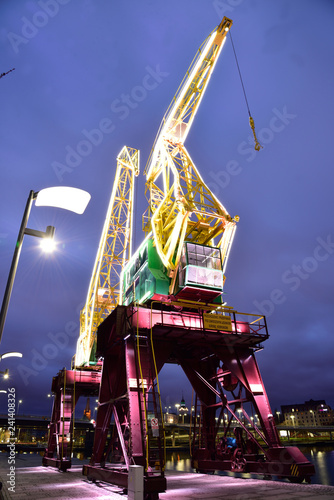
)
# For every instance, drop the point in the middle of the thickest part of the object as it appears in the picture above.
(136, 482)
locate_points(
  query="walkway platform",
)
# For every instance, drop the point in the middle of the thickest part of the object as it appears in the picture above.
(38, 482)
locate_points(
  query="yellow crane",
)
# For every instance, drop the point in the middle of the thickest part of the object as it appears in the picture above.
(114, 251)
(181, 206)
(189, 232)
(182, 210)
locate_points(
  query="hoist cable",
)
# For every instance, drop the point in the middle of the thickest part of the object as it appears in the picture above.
(241, 80)
(251, 121)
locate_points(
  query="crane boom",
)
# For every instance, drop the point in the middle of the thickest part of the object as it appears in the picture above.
(181, 206)
(113, 253)
(180, 114)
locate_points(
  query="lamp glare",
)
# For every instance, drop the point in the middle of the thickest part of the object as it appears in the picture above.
(48, 245)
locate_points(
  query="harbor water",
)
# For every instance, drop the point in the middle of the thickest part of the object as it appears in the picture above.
(321, 456)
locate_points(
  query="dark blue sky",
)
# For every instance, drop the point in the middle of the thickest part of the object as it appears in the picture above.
(75, 63)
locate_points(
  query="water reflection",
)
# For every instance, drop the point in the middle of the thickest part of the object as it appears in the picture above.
(179, 461)
(322, 458)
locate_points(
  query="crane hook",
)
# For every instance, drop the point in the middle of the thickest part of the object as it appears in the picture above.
(252, 125)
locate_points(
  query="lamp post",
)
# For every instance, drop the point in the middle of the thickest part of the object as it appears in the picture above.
(68, 198)
(177, 406)
(18, 406)
(9, 355)
(50, 396)
(293, 420)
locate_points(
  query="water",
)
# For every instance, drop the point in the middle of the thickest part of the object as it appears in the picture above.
(322, 458)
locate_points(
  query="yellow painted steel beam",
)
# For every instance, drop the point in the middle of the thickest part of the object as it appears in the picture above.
(181, 206)
(114, 251)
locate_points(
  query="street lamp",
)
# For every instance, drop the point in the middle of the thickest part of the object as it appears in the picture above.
(50, 396)
(18, 406)
(177, 406)
(9, 355)
(73, 199)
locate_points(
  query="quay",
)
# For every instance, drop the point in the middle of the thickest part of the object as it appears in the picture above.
(32, 480)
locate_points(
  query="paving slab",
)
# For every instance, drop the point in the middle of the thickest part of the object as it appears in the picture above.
(32, 480)
(188, 486)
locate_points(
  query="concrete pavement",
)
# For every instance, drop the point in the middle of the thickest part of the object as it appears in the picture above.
(32, 480)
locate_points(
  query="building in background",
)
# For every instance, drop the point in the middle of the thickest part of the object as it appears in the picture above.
(181, 416)
(184, 415)
(309, 414)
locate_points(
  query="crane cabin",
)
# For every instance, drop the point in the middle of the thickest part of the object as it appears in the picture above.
(199, 275)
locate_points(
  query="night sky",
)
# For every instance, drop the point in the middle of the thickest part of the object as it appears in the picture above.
(75, 62)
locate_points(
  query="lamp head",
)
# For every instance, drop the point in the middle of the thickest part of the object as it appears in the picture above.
(11, 355)
(68, 198)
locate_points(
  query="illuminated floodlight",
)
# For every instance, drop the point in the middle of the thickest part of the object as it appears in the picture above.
(68, 198)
